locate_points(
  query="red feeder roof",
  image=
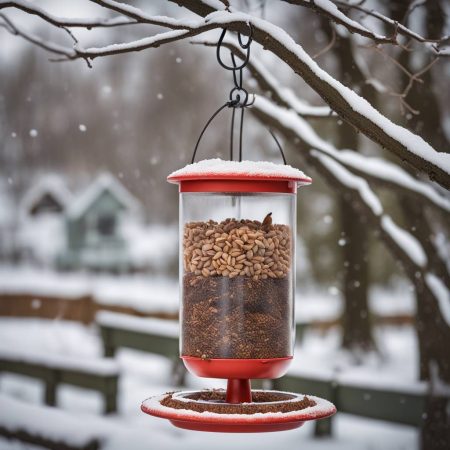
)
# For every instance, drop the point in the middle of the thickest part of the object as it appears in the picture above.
(216, 175)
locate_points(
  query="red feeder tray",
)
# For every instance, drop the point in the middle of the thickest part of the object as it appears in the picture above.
(238, 423)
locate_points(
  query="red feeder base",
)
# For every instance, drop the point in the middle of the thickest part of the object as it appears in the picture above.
(250, 369)
(237, 423)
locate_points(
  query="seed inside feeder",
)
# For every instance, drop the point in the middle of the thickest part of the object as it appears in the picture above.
(236, 290)
(262, 402)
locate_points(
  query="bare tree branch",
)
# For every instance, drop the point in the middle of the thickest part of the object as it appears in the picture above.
(334, 14)
(36, 40)
(328, 47)
(32, 9)
(401, 29)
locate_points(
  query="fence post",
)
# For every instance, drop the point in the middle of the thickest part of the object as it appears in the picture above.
(108, 347)
(110, 396)
(178, 371)
(51, 384)
(323, 428)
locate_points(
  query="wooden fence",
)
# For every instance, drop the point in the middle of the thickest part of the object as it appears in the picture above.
(102, 376)
(398, 405)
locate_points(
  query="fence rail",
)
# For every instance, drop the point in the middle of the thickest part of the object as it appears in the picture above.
(402, 406)
(53, 375)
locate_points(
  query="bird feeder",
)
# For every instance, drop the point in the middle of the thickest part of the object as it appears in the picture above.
(237, 278)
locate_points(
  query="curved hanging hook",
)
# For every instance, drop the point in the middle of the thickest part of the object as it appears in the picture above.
(238, 97)
(219, 59)
(249, 40)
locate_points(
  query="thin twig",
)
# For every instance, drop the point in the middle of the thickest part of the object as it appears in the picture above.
(329, 46)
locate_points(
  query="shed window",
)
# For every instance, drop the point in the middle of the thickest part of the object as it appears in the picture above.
(106, 225)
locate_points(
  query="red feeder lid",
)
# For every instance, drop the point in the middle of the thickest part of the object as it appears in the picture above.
(216, 175)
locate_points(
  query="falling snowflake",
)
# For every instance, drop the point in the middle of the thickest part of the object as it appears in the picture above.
(13, 134)
(328, 219)
(160, 96)
(106, 90)
(154, 160)
(33, 133)
(333, 290)
(342, 242)
(82, 127)
(178, 60)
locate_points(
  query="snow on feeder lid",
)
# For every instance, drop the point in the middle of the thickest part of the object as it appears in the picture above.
(217, 175)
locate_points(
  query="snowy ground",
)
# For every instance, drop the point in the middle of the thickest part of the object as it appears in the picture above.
(143, 375)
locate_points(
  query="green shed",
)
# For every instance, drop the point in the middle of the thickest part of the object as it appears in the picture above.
(94, 227)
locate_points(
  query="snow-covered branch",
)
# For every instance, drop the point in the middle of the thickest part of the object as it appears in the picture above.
(345, 102)
(405, 247)
(350, 106)
(375, 170)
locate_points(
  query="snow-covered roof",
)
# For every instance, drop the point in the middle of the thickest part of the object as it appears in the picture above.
(7, 209)
(228, 169)
(50, 184)
(104, 182)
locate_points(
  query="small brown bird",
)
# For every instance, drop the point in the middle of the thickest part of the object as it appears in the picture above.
(267, 222)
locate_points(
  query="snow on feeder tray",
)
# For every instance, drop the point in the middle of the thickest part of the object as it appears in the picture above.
(237, 273)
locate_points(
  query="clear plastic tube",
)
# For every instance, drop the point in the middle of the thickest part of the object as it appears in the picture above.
(237, 275)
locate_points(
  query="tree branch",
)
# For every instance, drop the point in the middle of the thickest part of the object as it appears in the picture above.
(405, 247)
(269, 84)
(377, 171)
(34, 10)
(329, 10)
(401, 29)
(36, 40)
(352, 108)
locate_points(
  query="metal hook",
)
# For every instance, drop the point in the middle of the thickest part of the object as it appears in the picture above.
(249, 40)
(219, 59)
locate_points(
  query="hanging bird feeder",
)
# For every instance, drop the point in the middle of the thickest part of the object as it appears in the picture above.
(237, 277)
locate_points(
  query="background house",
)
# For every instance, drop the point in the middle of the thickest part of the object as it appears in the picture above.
(95, 223)
(40, 234)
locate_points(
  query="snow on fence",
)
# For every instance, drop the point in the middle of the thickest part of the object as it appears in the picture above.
(34, 293)
(97, 374)
(150, 335)
(49, 428)
(402, 404)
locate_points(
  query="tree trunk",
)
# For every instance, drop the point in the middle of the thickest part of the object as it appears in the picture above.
(432, 330)
(356, 324)
(357, 330)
